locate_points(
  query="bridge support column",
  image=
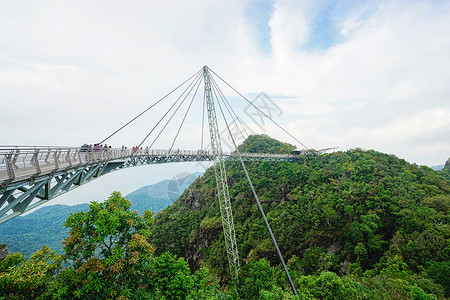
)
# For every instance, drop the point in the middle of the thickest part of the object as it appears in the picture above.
(221, 180)
(10, 167)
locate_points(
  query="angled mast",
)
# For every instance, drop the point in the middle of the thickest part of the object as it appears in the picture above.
(221, 180)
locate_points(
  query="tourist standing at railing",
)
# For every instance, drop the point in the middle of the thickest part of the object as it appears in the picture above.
(146, 152)
(97, 149)
(84, 148)
(89, 153)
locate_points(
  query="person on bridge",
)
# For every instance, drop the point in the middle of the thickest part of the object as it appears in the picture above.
(108, 150)
(84, 148)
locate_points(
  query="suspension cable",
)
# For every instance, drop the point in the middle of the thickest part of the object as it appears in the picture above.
(225, 104)
(176, 110)
(187, 111)
(203, 120)
(160, 120)
(259, 204)
(279, 126)
(228, 103)
(218, 101)
(143, 112)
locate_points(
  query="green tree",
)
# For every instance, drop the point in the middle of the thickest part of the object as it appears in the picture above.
(316, 260)
(440, 272)
(262, 143)
(169, 277)
(22, 278)
(327, 285)
(109, 251)
(255, 277)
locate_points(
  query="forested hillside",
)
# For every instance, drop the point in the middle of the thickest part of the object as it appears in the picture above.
(351, 225)
(369, 217)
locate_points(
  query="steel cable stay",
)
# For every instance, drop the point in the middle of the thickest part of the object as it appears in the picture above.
(258, 202)
(191, 85)
(176, 110)
(219, 92)
(184, 117)
(216, 92)
(248, 101)
(203, 120)
(230, 107)
(150, 107)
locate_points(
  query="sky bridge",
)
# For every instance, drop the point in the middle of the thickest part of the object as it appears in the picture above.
(31, 176)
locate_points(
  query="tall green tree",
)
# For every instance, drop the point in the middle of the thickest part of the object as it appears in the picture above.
(109, 251)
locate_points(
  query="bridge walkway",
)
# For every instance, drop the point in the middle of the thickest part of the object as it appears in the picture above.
(31, 176)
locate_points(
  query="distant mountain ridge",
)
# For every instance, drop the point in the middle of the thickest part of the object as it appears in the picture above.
(156, 197)
(437, 168)
(44, 226)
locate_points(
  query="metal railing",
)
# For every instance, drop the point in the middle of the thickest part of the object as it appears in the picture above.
(17, 163)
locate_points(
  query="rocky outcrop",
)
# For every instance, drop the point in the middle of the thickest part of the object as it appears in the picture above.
(447, 164)
(446, 170)
(3, 251)
(201, 240)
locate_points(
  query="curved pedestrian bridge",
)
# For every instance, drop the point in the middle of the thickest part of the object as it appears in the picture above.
(31, 176)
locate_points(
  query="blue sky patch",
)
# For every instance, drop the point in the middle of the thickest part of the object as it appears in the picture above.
(323, 32)
(259, 12)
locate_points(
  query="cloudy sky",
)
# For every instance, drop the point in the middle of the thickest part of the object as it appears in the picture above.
(368, 74)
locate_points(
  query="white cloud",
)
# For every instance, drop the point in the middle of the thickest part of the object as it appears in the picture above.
(388, 78)
(72, 72)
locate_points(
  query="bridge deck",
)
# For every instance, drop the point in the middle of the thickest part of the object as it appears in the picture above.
(32, 176)
(18, 164)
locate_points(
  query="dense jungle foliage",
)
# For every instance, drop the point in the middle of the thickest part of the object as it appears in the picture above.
(351, 225)
(369, 224)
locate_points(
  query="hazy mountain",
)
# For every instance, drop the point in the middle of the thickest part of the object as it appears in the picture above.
(156, 197)
(43, 227)
(438, 167)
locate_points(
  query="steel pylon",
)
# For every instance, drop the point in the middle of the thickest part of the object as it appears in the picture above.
(221, 180)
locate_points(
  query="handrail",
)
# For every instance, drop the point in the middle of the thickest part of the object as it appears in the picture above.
(30, 161)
